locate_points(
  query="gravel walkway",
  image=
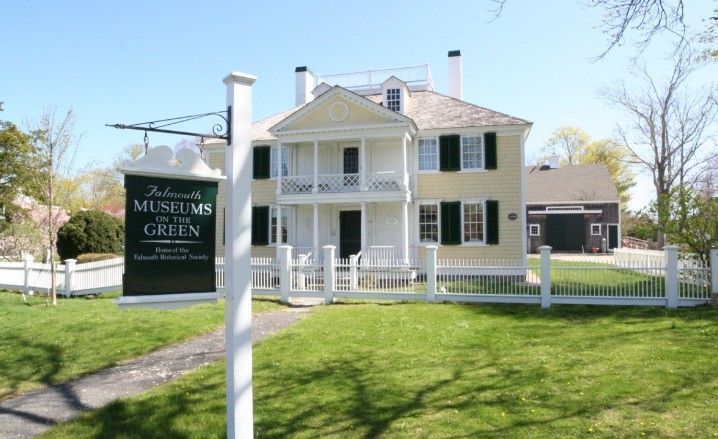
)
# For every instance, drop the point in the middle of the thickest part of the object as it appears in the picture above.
(33, 413)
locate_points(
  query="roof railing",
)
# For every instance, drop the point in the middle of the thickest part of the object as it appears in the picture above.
(416, 77)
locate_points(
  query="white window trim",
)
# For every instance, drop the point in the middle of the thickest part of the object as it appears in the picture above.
(481, 243)
(285, 224)
(438, 222)
(538, 229)
(599, 229)
(483, 153)
(436, 156)
(271, 154)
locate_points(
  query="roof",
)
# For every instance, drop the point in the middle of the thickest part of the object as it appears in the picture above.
(428, 109)
(570, 184)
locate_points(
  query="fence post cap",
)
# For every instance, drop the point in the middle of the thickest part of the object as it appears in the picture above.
(28, 257)
(329, 247)
(670, 247)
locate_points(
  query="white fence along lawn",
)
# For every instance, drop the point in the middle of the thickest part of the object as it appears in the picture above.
(631, 277)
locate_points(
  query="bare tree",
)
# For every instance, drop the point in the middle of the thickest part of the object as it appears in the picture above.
(55, 140)
(622, 18)
(667, 127)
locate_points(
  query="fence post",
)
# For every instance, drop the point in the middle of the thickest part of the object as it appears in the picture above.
(431, 273)
(69, 276)
(28, 259)
(714, 277)
(329, 280)
(353, 259)
(545, 276)
(671, 276)
(285, 271)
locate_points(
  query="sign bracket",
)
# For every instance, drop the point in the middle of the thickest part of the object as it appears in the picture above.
(220, 130)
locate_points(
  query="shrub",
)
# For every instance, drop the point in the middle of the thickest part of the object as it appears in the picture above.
(90, 231)
(94, 257)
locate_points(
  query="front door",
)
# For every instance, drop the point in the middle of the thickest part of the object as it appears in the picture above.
(349, 233)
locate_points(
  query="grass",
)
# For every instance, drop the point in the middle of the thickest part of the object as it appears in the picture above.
(42, 345)
(414, 370)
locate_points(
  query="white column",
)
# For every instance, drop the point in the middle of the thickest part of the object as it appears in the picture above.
(404, 163)
(405, 231)
(315, 231)
(279, 225)
(363, 228)
(315, 183)
(362, 165)
(238, 270)
(279, 167)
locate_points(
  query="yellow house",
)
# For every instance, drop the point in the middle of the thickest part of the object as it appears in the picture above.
(378, 163)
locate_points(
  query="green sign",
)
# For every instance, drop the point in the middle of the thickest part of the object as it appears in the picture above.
(169, 236)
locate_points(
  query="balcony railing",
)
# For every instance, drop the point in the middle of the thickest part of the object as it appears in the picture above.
(341, 183)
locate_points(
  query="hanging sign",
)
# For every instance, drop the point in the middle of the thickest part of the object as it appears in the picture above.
(170, 232)
(170, 236)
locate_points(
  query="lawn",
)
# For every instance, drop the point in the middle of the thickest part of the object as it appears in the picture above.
(42, 345)
(415, 370)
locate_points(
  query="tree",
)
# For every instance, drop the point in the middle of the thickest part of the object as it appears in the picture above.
(567, 142)
(575, 147)
(90, 231)
(622, 18)
(18, 166)
(616, 158)
(56, 142)
(692, 220)
(709, 37)
(667, 127)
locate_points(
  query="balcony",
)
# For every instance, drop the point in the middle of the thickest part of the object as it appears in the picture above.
(416, 77)
(389, 181)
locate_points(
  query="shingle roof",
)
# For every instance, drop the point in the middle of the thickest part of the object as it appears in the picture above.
(428, 110)
(569, 184)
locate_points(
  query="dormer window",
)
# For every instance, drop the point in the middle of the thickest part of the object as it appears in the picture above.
(393, 99)
(396, 94)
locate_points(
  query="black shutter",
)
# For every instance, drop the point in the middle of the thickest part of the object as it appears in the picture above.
(450, 153)
(451, 222)
(260, 225)
(260, 162)
(492, 222)
(490, 150)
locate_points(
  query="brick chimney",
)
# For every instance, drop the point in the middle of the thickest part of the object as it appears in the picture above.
(456, 88)
(304, 85)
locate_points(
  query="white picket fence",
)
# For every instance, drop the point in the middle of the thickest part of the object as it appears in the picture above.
(637, 279)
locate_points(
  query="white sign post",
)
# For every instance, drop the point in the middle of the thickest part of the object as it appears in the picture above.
(238, 269)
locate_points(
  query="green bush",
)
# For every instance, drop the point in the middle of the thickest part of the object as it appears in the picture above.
(90, 231)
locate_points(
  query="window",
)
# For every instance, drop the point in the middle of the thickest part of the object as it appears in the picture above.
(428, 149)
(260, 162)
(595, 229)
(472, 153)
(473, 222)
(534, 230)
(428, 223)
(273, 227)
(275, 161)
(393, 99)
(469, 223)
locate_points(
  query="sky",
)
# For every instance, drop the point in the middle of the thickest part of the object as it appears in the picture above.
(137, 61)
